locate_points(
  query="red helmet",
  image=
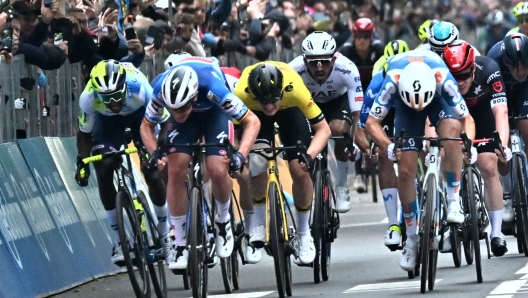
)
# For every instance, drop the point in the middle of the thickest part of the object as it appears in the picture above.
(459, 55)
(363, 25)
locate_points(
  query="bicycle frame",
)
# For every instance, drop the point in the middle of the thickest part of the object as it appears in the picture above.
(273, 178)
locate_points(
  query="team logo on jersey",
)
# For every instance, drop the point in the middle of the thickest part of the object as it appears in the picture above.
(289, 88)
(471, 101)
(310, 103)
(493, 76)
(497, 86)
(386, 93)
(358, 98)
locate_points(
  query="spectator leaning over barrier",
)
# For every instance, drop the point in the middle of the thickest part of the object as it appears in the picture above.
(115, 98)
(187, 34)
(264, 31)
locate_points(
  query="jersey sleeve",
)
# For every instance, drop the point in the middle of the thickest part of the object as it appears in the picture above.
(448, 89)
(353, 82)
(221, 96)
(494, 80)
(372, 91)
(379, 65)
(155, 111)
(384, 100)
(87, 113)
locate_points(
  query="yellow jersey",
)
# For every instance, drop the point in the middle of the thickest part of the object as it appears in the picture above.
(295, 93)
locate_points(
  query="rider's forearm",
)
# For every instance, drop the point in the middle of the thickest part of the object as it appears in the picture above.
(468, 125)
(501, 123)
(375, 130)
(251, 129)
(361, 140)
(320, 139)
(84, 144)
(148, 135)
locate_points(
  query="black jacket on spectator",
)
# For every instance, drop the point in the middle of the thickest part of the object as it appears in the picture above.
(46, 57)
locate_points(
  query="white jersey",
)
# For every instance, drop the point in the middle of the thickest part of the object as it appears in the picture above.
(343, 79)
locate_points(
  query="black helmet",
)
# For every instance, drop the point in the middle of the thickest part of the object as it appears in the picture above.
(514, 49)
(265, 83)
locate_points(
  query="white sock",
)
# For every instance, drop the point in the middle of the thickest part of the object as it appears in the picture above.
(496, 223)
(341, 173)
(390, 199)
(112, 219)
(180, 229)
(259, 215)
(161, 213)
(248, 220)
(303, 224)
(222, 211)
(506, 183)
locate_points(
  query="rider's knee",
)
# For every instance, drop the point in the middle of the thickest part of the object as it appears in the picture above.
(257, 163)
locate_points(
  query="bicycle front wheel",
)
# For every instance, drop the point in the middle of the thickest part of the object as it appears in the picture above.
(277, 239)
(317, 225)
(229, 272)
(133, 250)
(519, 203)
(427, 230)
(328, 227)
(198, 246)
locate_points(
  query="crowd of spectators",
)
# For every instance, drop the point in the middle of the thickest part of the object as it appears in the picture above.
(49, 32)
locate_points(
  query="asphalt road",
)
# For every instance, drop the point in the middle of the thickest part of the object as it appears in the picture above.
(361, 267)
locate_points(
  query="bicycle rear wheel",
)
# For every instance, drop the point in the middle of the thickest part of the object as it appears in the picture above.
(153, 247)
(519, 203)
(226, 264)
(427, 231)
(198, 246)
(318, 225)
(132, 244)
(328, 224)
(277, 238)
(473, 220)
(465, 196)
(456, 246)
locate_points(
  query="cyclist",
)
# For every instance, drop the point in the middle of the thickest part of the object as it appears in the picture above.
(115, 98)
(364, 52)
(423, 31)
(520, 13)
(511, 54)
(195, 94)
(418, 84)
(386, 174)
(174, 58)
(334, 83)
(440, 35)
(480, 83)
(276, 93)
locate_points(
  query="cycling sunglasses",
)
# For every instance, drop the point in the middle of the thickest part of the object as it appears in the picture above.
(521, 20)
(186, 107)
(324, 62)
(269, 100)
(463, 76)
(115, 96)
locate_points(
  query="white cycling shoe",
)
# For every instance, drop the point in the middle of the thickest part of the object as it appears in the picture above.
(343, 203)
(408, 257)
(454, 213)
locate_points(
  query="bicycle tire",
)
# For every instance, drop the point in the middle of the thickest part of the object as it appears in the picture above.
(276, 241)
(197, 246)
(425, 243)
(318, 225)
(473, 220)
(519, 198)
(226, 264)
(431, 275)
(157, 273)
(467, 243)
(373, 183)
(326, 252)
(133, 252)
(456, 245)
(186, 282)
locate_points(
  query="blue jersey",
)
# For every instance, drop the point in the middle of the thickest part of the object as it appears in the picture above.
(212, 90)
(446, 86)
(370, 95)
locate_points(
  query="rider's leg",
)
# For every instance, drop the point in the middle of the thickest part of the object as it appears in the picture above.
(338, 127)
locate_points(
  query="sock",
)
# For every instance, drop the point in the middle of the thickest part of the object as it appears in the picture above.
(222, 211)
(161, 213)
(303, 225)
(390, 199)
(180, 229)
(453, 183)
(506, 183)
(409, 215)
(341, 173)
(259, 215)
(248, 220)
(112, 219)
(496, 223)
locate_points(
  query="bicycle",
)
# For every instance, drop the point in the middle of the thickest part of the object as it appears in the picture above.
(200, 219)
(281, 240)
(138, 233)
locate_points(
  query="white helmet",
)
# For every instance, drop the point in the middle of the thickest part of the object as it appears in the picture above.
(318, 43)
(174, 58)
(495, 17)
(417, 85)
(442, 34)
(179, 86)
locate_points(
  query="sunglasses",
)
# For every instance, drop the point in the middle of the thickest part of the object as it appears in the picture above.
(186, 107)
(324, 62)
(269, 100)
(463, 76)
(116, 96)
(362, 36)
(521, 20)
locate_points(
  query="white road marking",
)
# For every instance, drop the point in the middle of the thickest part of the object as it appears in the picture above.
(386, 286)
(509, 288)
(364, 224)
(385, 220)
(242, 295)
(523, 270)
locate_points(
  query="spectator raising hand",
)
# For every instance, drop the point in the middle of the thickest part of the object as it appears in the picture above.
(48, 13)
(134, 45)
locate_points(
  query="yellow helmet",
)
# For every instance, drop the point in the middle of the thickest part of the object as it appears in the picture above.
(520, 9)
(108, 76)
(395, 47)
(423, 30)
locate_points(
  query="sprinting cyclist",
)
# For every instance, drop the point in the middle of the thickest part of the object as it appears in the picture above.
(115, 98)
(480, 83)
(276, 93)
(334, 83)
(511, 54)
(195, 94)
(386, 175)
(364, 52)
(418, 84)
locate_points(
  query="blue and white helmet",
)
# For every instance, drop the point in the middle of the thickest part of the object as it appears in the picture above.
(441, 35)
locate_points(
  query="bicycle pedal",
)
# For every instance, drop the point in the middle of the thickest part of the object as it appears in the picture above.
(394, 247)
(179, 271)
(306, 265)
